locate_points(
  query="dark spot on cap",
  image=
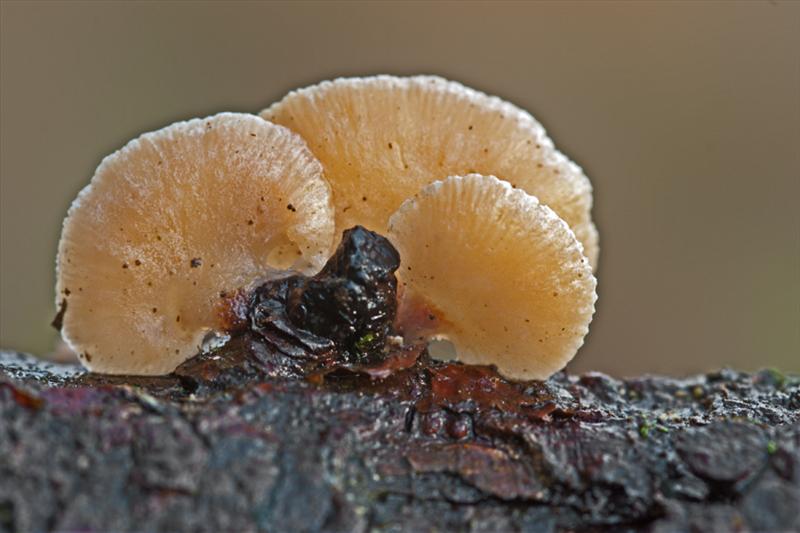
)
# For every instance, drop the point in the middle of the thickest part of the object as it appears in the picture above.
(124, 265)
(250, 222)
(58, 321)
(195, 262)
(291, 208)
(137, 263)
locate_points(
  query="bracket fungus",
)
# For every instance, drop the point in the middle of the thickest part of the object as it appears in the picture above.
(172, 221)
(382, 138)
(495, 272)
(211, 224)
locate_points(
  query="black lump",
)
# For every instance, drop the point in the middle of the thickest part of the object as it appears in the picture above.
(343, 313)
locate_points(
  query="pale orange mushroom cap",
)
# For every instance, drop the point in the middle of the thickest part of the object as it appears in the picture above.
(382, 138)
(495, 272)
(171, 222)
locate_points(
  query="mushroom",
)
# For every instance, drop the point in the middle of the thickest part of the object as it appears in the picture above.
(495, 272)
(173, 223)
(381, 139)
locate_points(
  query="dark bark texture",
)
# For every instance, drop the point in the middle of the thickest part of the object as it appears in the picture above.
(234, 442)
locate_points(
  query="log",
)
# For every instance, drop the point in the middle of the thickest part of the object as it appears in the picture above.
(232, 442)
(315, 417)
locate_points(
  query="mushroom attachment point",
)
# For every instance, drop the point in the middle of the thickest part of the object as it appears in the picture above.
(344, 312)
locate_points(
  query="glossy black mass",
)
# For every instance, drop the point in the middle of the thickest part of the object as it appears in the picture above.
(348, 307)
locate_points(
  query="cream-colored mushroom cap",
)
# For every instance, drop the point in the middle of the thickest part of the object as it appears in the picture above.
(494, 271)
(381, 139)
(173, 221)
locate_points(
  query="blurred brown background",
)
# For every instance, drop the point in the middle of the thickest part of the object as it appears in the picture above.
(686, 116)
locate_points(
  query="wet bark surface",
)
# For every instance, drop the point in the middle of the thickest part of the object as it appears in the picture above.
(231, 442)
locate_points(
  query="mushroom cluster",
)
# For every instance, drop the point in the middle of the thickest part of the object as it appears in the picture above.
(493, 224)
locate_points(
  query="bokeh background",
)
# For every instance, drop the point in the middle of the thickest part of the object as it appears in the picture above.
(686, 116)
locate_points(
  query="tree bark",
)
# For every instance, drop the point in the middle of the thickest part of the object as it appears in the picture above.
(232, 444)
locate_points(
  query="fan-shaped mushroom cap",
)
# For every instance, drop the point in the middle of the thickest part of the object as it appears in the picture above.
(171, 222)
(381, 139)
(500, 275)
